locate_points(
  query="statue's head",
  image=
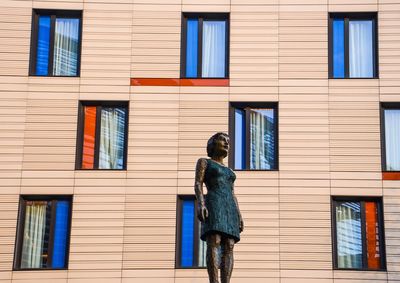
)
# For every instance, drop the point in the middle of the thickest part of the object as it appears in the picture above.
(218, 145)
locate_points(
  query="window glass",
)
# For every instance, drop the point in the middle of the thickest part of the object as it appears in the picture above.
(353, 39)
(255, 131)
(205, 41)
(192, 41)
(192, 249)
(240, 139)
(359, 243)
(103, 140)
(392, 139)
(338, 48)
(57, 43)
(361, 57)
(112, 138)
(348, 230)
(43, 246)
(262, 139)
(66, 47)
(213, 49)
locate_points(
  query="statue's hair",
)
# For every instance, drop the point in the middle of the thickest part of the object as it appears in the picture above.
(211, 142)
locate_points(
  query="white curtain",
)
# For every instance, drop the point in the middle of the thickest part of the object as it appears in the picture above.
(348, 231)
(361, 60)
(261, 138)
(392, 139)
(34, 231)
(66, 45)
(213, 65)
(112, 138)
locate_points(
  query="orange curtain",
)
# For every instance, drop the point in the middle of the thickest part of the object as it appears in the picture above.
(89, 134)
(373, 253)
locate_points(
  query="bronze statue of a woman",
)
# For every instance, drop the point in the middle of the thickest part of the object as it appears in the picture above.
(218, 210)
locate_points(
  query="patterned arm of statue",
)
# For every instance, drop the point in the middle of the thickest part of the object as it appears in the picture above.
(241, 225)
(202, 212)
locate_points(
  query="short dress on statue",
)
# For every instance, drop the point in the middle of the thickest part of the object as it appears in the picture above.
(223, 215)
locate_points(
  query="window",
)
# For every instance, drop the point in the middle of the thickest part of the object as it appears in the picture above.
(358, 233)
(56, 43)
(254, 129)
(205, 41)
(390, 136)
(43, 232)
(353, 45)
(190, 250)
(102, 135)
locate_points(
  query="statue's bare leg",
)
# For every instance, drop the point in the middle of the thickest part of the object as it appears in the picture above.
(213, 243)
(227, 260)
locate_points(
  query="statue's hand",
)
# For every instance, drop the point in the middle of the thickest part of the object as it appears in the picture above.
(202, 212)
(241, 225)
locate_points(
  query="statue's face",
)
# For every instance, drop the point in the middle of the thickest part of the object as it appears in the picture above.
(222, 145)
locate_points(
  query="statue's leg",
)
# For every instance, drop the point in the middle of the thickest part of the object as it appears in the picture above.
(227, 260)
(213, 243)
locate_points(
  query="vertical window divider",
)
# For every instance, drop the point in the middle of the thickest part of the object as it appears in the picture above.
(200, 48)
(20, 236)
(126, 132)
(334, 232)
(52, 39)
(51, 233)
(375, 48)
(363, 235)
(346, 48)
(183, 46)
(381, 238)
(97, 138)
(34, 42)
(247, 139)
(232, 134)
(227, 40)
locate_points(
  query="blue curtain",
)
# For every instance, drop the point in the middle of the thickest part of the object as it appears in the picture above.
(60, 234)
(187, 236)
(66, 47)
(338, 48)
(361, 60)
(192, 42)
(213, 65)
(240, 137)
(43, 46)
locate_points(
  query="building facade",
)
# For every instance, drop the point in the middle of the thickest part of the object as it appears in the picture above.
(106, 105)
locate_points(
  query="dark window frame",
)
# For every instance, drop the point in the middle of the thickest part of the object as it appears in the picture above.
(382, 245)
(178, 234)
(34, 39)
(352, 16)
(244, 105)
(385, 106)
(80, 131)
(201, 17)
(21, 226)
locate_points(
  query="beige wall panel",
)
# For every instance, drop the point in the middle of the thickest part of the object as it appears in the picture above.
(156, 41)
(254, 45)
(15, 39)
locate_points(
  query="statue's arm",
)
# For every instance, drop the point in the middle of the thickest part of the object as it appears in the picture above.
(241, 226)
(202, 212)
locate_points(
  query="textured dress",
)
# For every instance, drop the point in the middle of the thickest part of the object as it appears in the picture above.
(223, 215)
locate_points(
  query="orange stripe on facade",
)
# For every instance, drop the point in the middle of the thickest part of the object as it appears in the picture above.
(373, 253)
(154, 82)
(204, 82)
(89, 135)
(391, 176)
(179, 82)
